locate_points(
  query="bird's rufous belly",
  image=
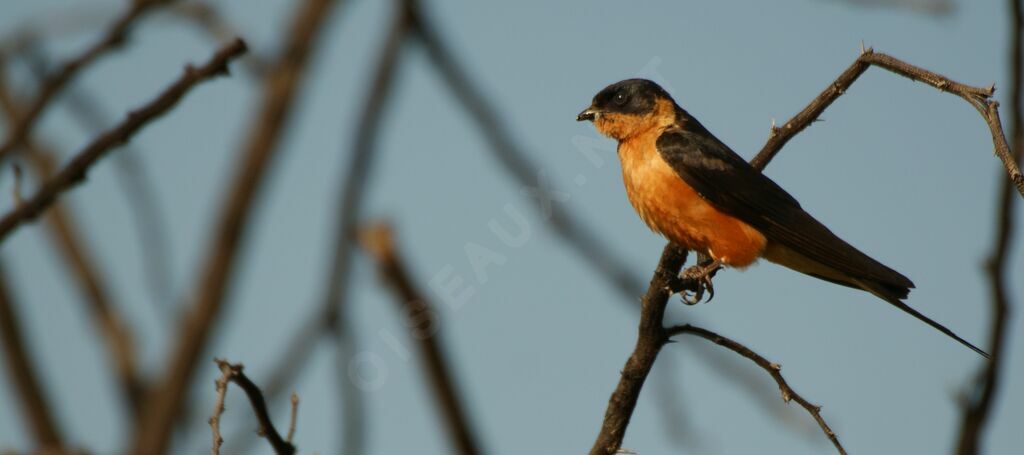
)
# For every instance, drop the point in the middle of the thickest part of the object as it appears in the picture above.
(672, 208)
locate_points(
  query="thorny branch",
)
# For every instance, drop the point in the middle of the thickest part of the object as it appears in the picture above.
(113, 38)
(233, 373)
(424, 329)
(279, 89)
(772, 368)
(980, 397)
(74, 172)
(978, 97)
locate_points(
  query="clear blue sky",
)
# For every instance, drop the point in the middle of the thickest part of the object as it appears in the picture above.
(899, 169)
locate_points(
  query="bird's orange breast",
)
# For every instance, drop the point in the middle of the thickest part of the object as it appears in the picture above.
(674, 209)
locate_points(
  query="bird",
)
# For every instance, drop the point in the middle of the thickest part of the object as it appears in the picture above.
(691, 188)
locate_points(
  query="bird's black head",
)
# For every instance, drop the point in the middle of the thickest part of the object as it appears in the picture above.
(631, 97)
(629, 107)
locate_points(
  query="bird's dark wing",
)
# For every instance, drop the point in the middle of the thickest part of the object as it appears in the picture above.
(733, 186)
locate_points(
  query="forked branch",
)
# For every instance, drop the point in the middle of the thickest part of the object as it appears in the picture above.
(978, 97)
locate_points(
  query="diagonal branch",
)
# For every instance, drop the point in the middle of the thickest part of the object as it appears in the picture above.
(774, 369)
(280, 87)
(424, 329)
(74, 172)
(981, 396)
(113, 38)
(978, 97)
(23, 376)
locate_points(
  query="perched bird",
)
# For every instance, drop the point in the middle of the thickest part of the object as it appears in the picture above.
(691, 188)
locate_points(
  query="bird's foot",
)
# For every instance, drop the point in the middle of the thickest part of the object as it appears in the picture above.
(696, 280)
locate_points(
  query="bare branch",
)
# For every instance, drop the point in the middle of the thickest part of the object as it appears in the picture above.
(218, 409)
(978, 97)
(255, 158)
(24, 377)
(294, 418)
(772, 368)
(981, 396)
(424, 329)
(234, 373)
(75, 171)
(208, 18)
(113, 38)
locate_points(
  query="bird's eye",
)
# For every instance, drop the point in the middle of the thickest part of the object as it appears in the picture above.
(620, 98)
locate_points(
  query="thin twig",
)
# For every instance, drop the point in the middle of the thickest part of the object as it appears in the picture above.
(234, 373)
(978, 97)
(74, 172)
(114, 37)
(981, 396)
(35, 404)
(70, 242)
(208, 18)
(218, 409)
(294, 418)
(280, 87)
(424, 329)
(772, 368)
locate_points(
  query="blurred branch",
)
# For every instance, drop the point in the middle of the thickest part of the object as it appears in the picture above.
(74, 172)
(112, 38)
(234, 373)
(136, 185)
(255, 157)
(23, 376)
(516, 162)
(772, 368)
(980, 398)
(978, 97)
(69, 241)
(424, 328)
(330, 317)
(933, 7)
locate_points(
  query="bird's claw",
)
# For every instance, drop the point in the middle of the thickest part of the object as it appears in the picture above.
(701, 275)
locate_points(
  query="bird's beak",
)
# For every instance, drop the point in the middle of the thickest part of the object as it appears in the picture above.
(589, 114)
